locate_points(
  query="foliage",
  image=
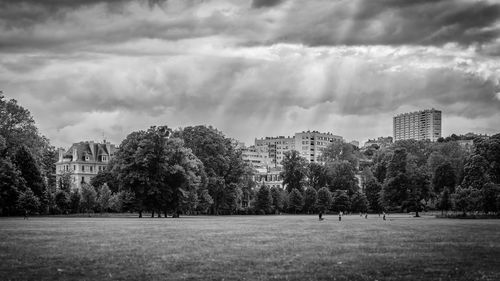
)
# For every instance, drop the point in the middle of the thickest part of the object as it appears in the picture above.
(264, 201)
(11, 184)
(65, 181)
(467, 200)
(341, 176)
(316, 175)
(295, 201)
(205, 201)
(105, 177)
(418, 189)
(30, 171)
(475, 172)
(489, 149)
(372, 191)
(359, 202)
(103, 198)
(444, 176)
(294, 171)
(28, 201)
(489, 194)
(62, 201)
(324, 200)
(310, 197)
(89, 198)
(445, 203)
(278, 196)
(74, 201)
(341, 201)
(339, 152)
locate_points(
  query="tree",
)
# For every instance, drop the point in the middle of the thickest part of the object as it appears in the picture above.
(394, 189)
(103, 198)
(372, 191)
(489, 194)
(339, 152)
(316, 174)
(62, 201)
(341, 201)
(74, 201)
(11, 184)
(489, 149)
(30, 171)
(278, 199)
(295, 201)
(310, 197)
(445, 203)
(341, 176)
(264, 200)
(475, 172)
(191, 203)
(205, 202)
(294, 170)
(324, 200)
(28, 201)
(359, 202)
(222, 162)
(418, 189)
(467, 199)
(65, 181)
(89, 198)
(444, 176)
(105, 177)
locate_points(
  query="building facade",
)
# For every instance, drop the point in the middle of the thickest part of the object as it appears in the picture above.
(418, 125)
(84, 160)
(311, 144)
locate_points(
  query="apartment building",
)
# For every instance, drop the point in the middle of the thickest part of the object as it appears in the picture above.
(418, 125)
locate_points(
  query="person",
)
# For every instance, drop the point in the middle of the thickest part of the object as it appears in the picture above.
(383, 215)
(320, 215)
(366, 215)
(340, 215)
(25, 214)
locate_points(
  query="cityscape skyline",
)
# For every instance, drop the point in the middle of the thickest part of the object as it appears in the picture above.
(250, 68)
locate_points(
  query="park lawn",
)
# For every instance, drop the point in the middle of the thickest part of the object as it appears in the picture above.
(249, 248)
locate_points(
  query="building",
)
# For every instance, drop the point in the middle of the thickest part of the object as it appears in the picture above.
(309, 144)
(381, 142)
(84, 160)
(257, 158)
(418, 125)
(275, 147)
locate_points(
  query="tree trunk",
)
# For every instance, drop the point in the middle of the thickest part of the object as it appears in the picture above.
(140, 214)
(416, 214)
(152, 214)
(165, 211)
(159, 214)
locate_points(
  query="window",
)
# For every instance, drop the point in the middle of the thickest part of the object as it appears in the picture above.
(83, 168)
(83, 179)
(74, 167)
(91, 169)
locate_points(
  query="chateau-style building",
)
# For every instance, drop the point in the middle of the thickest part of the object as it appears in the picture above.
(84, 160)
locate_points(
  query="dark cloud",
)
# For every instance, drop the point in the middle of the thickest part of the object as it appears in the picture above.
(265, 3)
(391, 22)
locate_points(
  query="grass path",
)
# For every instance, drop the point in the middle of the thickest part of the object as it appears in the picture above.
(249, 248)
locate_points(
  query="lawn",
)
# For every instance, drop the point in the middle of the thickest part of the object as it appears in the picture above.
(249, 248)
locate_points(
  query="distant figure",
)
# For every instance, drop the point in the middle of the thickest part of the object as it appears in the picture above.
(366, 215)
(360, 214)
(340, 215)
(321, 216)
(384, 216)
(25, 214)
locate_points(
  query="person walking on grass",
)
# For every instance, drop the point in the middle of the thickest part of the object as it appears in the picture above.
(340, 215)
(383, 215)
(321, 215)
(25, 214)
(366, 215)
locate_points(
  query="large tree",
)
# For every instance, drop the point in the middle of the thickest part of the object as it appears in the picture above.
(394, 189)
(222, 161)
(295, 201)
(418, 189)
(359, 202)
(278, 196)
(316, 175)
(489, 149)
(324, 200)
(372, 191)
(30, 171)
(444, 176)
(340, 151)
(264, 200)
(341, 176)
(310, 197)
(341, 201)
(294, 171)
(475, 172)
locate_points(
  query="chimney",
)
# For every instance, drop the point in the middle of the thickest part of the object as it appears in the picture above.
(61, 154)
(75, 154)
(92, 150)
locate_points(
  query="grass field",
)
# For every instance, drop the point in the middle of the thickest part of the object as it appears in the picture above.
(249, 248)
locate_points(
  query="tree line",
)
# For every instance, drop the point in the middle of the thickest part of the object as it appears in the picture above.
(198, 170)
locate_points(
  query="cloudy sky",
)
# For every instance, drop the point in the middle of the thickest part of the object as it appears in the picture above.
(250, 68)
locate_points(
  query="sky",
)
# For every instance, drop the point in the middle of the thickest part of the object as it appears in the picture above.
(94, 69)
